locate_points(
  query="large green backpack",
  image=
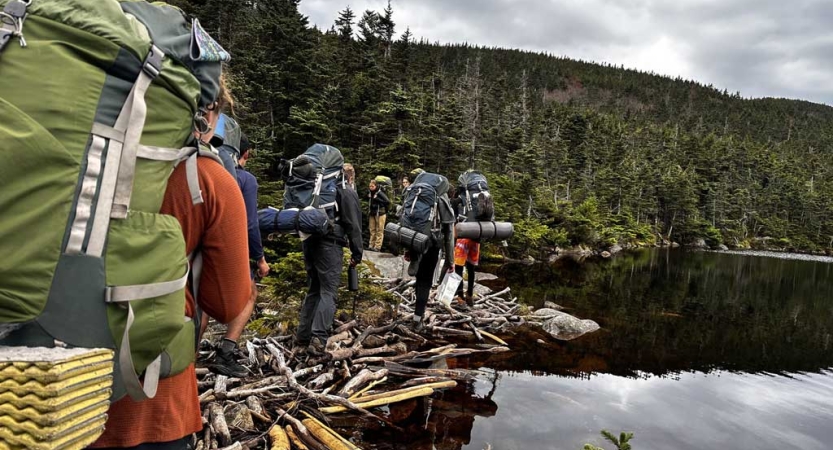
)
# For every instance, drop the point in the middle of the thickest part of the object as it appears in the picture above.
(95, 111)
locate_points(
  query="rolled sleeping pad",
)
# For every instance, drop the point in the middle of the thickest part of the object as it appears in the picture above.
(485, 231)
(407, 238)
(311, 221)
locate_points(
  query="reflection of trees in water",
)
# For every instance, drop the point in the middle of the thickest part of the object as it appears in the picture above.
(443, 422)
(667, 311)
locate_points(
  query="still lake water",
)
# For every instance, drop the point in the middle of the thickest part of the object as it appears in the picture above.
(697, 351)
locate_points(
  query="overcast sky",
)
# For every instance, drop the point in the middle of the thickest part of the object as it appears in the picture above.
(762, 48)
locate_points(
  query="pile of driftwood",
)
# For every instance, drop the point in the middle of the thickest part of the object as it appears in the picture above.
(286, 400)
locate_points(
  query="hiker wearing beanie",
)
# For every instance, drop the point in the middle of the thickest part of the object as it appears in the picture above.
(225, 362)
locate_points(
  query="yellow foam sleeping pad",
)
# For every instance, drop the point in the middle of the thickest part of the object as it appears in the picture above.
(53, 398)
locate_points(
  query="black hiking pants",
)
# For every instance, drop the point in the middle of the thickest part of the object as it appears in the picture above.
(425, 278)
(323, 260)
(470, 268)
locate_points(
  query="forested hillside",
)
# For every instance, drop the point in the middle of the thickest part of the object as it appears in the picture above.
(578, 153)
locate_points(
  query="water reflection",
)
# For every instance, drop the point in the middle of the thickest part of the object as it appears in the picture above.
(697, 350)
(669, 311)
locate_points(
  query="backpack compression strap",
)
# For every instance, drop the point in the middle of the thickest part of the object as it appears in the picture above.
(116, 181)
(127, 294)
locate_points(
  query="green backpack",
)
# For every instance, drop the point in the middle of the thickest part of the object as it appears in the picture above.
(98, 100)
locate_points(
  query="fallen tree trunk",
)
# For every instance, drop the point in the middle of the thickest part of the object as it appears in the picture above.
(363, 378)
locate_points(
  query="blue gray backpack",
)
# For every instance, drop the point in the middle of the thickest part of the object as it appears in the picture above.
(228, 136)
(311, 179)
(471, 187)
(420, 207)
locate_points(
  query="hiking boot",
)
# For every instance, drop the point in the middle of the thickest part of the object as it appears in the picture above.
(470, 301)
(316, 347)
(417, 326)
(226, 364)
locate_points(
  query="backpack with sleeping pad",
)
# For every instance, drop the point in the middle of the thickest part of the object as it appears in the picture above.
(89, 260)
(424, 208)
(311, 179)
(472, 187)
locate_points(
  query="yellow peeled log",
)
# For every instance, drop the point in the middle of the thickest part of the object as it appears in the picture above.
(328, 437)
(296, 441)
(369, 387)
(385, 400)
(494, 338)
(279, 438)
(435, 385)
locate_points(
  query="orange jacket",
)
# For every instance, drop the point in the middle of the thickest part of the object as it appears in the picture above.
(218, 228)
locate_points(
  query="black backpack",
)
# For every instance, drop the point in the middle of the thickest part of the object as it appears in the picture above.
(472, 187)
(311, 179)
(420, 208)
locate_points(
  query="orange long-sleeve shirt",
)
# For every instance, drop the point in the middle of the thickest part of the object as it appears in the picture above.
(218, 228)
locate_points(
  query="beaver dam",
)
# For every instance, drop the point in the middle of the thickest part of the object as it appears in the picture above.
(370, 378)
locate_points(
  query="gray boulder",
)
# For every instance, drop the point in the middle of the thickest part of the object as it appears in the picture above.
(566, 327)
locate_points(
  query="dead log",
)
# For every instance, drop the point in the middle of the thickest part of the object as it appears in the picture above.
(278, 438)
(423, 381)
(235, 446)
(405, 371)
(303, 373)
(384, 399)
(368, 388)
(251, 348)
(256, 407)
(494, 338)
(475, 330)
(296, 441)
(300, 430)
(269, 381)
(332, 341)
(498, 294)
(218, 423)
(322, 380)
(346, 327)
(378, 359)
(373, 330)
(206, 417)
(395, 349)
(374, 341)
(221, 384)
(450, 331)
(363, 378)
(239, 416)
(326, 435)
(403, 330)
(319, 397)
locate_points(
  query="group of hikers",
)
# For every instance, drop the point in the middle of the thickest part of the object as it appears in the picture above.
(212, 197)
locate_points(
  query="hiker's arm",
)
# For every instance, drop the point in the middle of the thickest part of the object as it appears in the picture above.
(351, 221)
(249, 189)
(448, 243)
(225, 285)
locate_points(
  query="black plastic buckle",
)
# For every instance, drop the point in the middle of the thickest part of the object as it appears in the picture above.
(153, 62)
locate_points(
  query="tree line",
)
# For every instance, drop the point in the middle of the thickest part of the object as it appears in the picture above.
(577, 152)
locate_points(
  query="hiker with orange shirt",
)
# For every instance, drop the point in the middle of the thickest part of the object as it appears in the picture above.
(217, 228)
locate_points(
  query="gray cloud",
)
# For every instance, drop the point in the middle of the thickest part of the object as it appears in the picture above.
(762, 48)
